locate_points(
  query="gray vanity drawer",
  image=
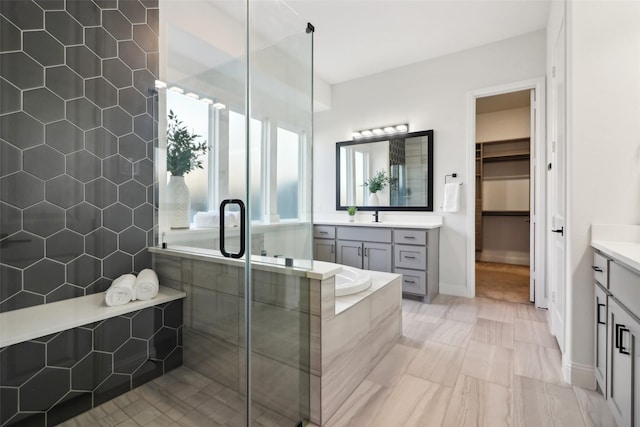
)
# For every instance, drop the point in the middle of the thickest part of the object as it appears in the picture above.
(406, 256)
(601, 269)
(413, 282)
(410, 237)
(625, 286)
(324, 232)
(365, 234)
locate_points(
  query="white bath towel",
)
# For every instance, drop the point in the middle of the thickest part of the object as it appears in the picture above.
(451, 197)
(211, 219)
(121, 290)
(146, 285)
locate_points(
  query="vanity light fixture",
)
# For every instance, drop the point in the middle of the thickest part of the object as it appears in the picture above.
(160, 84)
(219, 106)
(388, 130)
(193, 95)
(206, 101)
(176, 89)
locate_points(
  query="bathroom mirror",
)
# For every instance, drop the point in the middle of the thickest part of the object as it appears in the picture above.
(405, 162)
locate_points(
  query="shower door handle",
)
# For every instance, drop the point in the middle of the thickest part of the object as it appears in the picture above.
(242, 225)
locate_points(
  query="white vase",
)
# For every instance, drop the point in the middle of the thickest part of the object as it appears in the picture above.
(179, 202)
(352, 218)
(373, 199)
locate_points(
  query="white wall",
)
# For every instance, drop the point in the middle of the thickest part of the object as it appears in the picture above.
(501, 125)
(428, 95)
(603, 182)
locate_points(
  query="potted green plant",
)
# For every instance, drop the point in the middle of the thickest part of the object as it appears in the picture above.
(183, 155)
(375, 184)
(351, 210)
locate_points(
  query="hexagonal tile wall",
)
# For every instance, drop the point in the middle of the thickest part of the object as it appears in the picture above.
(75, 78)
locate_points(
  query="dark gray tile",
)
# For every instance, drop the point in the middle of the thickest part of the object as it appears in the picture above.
(64, 28)
(107, 4)
(128, 358)
(74, 403)
(143, 217)
(146, 323)
(101, 92)
(22, 299)
(43, 162)
(153, 18)
(85, 12)
(10, 159)
(117, 121)
(132, 101)
(43, 219)
(101, 193)
(43, 104)
(64, 246)
(10, 220)
(11, 279)
(173, 314)
(22, 249)
(117, 72)
(64, 191)
(100, 285)
(117, 264)
(84, 62)
(143, 171)
(91, 371)
(163, 343)
(21, 70)
(117, 217)
(84, 113)
(83, 166)
(141, 260)
(111, 334)
(116, 24)
(132, 240)
(101, 42)
(150, 370)
(64, 136)
(144, 81)
(21, 189)
(132, 147)
(143, 126)
(20, 362)
(9, 97)
(133, 10)
(84, 270)
(117, 169)
(150, 3)
(44, 389)
(44, 276)
(64, 292)
(64, 82)
(42, 47)
(21, 130)
(9, 36)
(101, 242)
(101, 142)
(153, 63)
(51, 4)
(132, 194)
(83, 218)
(145, 37)
(114, 386)
(8, 403)
(132, 55)
(24, 14)
(69, 347)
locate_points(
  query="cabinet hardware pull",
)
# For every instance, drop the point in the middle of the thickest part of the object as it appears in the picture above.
(366, 252)
(409, 257)
(596, 268)
(409, 281)
(359, 251)
(623, 350)
(331, 248)
(600, 322)
(409, 237)
(618, 327)
(323, 232)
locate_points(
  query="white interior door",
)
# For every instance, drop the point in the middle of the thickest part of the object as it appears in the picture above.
(557, 191)
(532, 197)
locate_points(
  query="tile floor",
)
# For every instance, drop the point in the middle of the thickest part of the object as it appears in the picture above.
(461, 362)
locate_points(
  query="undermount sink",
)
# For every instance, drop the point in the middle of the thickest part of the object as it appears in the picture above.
(351, 281)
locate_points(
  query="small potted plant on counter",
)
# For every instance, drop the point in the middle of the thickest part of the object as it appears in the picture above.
(351, 210)
(375, 184)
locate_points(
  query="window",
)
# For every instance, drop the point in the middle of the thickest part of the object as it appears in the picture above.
(288, 173)
(237, 168)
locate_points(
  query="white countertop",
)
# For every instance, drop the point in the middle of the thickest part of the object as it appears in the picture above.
(38, 321)
(382, 224)
(618, 241)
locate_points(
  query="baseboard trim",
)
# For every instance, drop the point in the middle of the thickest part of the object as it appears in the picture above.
(579, 374)
(455, 290)
(504, 257)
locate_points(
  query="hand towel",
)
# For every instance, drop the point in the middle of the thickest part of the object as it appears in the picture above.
(208, 219)
(451, 197)
(121, 290)
(146, 285)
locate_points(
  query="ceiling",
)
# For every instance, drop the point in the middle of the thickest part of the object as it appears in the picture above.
(356, 38)
(506, 101)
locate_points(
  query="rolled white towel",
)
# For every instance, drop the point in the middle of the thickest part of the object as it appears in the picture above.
(206, 219)
(232, 219)
(146, 286)
(121, 290)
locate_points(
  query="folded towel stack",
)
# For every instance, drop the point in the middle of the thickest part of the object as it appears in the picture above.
(211, 219)
(128, 288)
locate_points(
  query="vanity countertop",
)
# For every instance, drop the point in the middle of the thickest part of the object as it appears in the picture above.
(620, 242)
(427, 225)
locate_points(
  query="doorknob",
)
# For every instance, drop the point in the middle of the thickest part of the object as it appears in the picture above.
(560, 230)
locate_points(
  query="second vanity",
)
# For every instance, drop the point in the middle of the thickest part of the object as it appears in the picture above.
(409, 249)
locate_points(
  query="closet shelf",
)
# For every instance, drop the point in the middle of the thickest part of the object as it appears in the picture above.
(505, 213)
(500, 157)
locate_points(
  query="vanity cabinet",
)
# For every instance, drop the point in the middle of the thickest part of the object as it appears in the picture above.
(600, 305)
(416, 258)
(368, 249)
(324, 243)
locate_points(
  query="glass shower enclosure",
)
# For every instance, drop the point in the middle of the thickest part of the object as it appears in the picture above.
(237, 82)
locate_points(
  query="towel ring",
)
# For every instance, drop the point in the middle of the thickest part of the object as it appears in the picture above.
(453, 175)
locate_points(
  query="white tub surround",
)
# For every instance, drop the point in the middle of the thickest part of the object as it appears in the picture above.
(33, 322)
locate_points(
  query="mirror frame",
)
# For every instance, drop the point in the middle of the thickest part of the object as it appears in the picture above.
(428, 207)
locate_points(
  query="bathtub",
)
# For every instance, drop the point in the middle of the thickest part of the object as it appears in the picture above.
(351, 281)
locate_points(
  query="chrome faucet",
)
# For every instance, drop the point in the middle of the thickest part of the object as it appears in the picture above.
(375, 216)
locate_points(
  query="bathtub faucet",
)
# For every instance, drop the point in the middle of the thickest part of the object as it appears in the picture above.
(375, 216)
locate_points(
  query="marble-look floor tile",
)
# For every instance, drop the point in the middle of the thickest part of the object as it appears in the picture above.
(421, 312)
(531, 313)
(500, 311)
(361, 407)
(463, 311)
(537, 403)
(478, 403)
(393, 365)
(534, 361)
(493, 332)
(535, 333)
(452, 332)
(438, 363)
(594, 409)
(488, 362)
